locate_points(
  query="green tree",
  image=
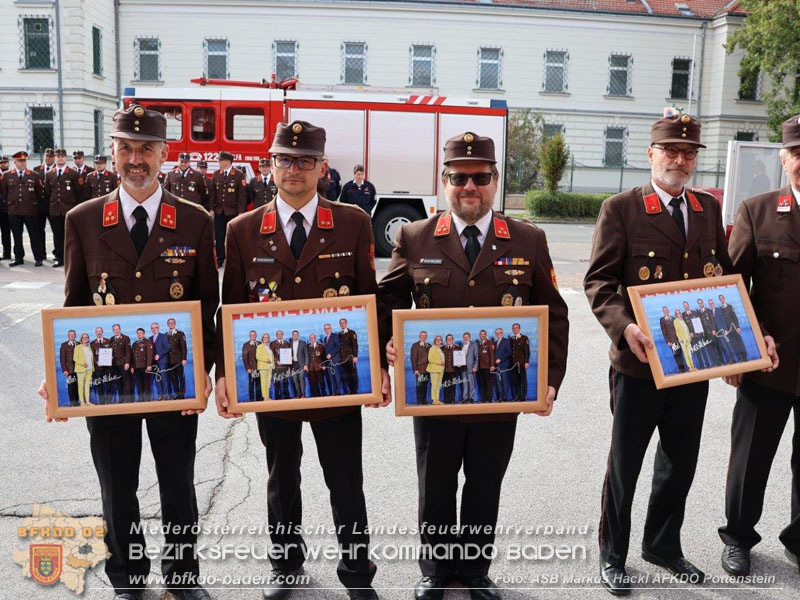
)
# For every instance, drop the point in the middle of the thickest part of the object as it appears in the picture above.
(524, 139)
(553, 159)
(770, 39)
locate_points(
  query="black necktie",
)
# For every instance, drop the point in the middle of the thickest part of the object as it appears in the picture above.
(677, 215)
(299, 235)
(59, 173)
(473, 248)
(139, 231)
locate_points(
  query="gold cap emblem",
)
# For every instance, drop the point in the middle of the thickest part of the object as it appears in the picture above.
(469, 138)
(297, 128)
(686, 119)
(138, 111)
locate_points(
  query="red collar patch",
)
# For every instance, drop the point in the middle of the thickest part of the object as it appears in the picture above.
(110, 213)
(501, 229)
(66, 170)
(784, 203)
(324, 218)
(268, 222)
(652, 205)
(169, 216)
(443, 226)
(695, 203)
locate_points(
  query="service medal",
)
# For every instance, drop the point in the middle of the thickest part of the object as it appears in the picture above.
(110, 300)
(176, 291)
(175, 261)
(98, 299)
(329, 293)
(644, 273)
(518, 301)
(659, 272)
(507, 300)
(708, 269)
(424, 301)
(718, 271)
(344, 290)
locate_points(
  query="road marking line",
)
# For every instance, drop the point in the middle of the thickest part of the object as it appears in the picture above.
(16, 313)
(567, 291)
(25, 285)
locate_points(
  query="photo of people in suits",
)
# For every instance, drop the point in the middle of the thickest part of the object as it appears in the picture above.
(114, 360)
(470, 361)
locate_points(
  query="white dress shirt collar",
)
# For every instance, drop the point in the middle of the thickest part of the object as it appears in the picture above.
(129, 204)
(665, 198)
(285, 212)
(482, 224)
(796, 195)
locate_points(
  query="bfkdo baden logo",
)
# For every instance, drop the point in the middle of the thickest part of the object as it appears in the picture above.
(46, 561)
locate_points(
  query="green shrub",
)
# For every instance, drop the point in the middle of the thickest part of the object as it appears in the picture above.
(573, 205)
(553, 158)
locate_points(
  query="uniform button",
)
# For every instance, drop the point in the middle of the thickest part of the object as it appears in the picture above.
(138, 274)
(651, 254)
(776, 254)
(298, 279)
(174, 273)
(426, 280)
(515, 281)
(262, 281)
(685, 255)
(686, 276)
(138, 298)
(713, 251)
(471, 283)
(336, 275)
(105, 275)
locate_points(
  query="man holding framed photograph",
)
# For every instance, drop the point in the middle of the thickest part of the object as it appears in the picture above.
(460, 258)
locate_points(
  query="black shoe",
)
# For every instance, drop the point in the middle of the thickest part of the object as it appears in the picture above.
(129, 596)
(17, 263)
(431, 588)
(736, 560)
(481, 587)
(280, 584)
(677, 566)
(793, 558)
(57, 264)
(197, 593)
(366, 593)
(615, 579)
(38, 263)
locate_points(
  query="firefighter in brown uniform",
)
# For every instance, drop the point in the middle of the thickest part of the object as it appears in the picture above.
(120, 365)
(262, 188)
(281, 371)
(462, 258)
(119, 250)
(49, 162)
(176, 361)
(419, 364)
(303, 246)
(142, 353)
(450, 376)
(485, 366)
(765, 248)
(5, 227)
(671, 339)
(64, 189)
(101, 181)
(228, 197)
(659, 232)
(78, 159)
(349, 355)
(68, 367)
(316, 356)
(100, 383)
(520, 359)
(23, 193)
(250, 364)
(44, 204)
(186, 183)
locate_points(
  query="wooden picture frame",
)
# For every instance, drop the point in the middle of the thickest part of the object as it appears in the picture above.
(108, 389)
(705, 354)
(411, 388)
(309, 317)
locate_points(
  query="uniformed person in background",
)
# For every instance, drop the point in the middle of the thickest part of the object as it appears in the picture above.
(63, 187)
(316, 368)
(485, 366)
(450, 375)
(68, 367)
(349, 354)
(101, 181)
(44, 203)
(658, 232)
(23, 193)
(228, 198)
(462, 258)
(419, 364)
(49, 162)
(521, 357)
(119, 250)
(202, 166)
(359, 191)
(5, 226)
(334, 181)
(302, 246)
(120, 365)
(261, 188)
(764, 244)
(101, 381)
(281, 370)
(249, 361)
(142, 353)
(186, 183)
(79, 160)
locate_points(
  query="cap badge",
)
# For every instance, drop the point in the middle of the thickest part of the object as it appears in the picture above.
(297, 128)
(686, 119)
(138, 111)
(469, 138)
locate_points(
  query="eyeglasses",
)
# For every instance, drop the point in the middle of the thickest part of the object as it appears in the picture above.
(673, 151)
(286, 162)
(460, 179)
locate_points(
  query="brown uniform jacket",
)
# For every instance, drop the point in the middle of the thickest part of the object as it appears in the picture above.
(668, 330)
(96, 345)
(93, 249)
(99, 183)
(85, 170)
(419, 356)
(192, 187)
(349, 343)
(632, 247)
(249, 355)
(142, 352)
(275, 346)
(64, 193)
(260, 193)
(22, 196)
(348, 234)
(177, 347)
(520, 349)
(65, 356)
(453, 283)
(228, 195)
(765, 248)
(449, 367)
(485, 354)
(316, 354)
(121, 350)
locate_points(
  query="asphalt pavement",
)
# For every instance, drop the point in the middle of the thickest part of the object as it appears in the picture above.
(550, 501)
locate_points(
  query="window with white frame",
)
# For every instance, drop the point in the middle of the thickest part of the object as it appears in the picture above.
(41, 128)
(681, 74)
(490, 66)
(551, 129)
(98, 131)
(147, 63)
(97, 51)
(216, 58)
(614, 146)
(354, 63)
(555, 71)
(284, 59)
(422, 65)
(620, 67)
(36, 42)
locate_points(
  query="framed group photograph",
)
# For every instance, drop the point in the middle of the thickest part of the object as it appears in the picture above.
(301, 354)
(701, 329)
(481, 360)
(123, 359)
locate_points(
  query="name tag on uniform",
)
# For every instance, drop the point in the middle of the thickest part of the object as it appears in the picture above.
(263, 259)
(430, 261)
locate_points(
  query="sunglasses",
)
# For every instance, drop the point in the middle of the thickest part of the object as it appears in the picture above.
(460, 179)
(672, 152)
(286, 162)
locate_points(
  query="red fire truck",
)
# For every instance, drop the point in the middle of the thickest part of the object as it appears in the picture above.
(398, 137)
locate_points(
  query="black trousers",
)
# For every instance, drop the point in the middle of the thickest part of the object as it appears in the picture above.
(338, 441)
(143, 380)
(282, 383)
(102, 384)
(57, 226)
(315, 382)
(253, 386)
(349, 374)
(177, 380)
(639, 408)
(486, 384)
(41, 220)
(120, 384)
(449, 384)
(37, 242)
(443, 446)
(759, 418)
(220, 228)
(116, 444)
(519, 381)
(423, 379)
(72, 390)
(5, 234)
